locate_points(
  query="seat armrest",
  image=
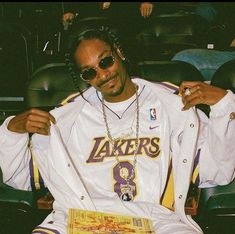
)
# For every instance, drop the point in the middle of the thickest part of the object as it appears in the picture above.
(216, 197)
(11, 195)
(222, 204)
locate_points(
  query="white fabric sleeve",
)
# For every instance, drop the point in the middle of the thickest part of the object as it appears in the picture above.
(14, 157)
(217, 159)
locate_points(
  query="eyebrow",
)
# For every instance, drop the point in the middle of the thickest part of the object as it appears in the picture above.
(100, 56)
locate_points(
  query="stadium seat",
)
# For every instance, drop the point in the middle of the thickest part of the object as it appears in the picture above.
(18, 210)
(15, 69)
(216, 211)
(49, 85)
(167, 34)
(172, 71)
(224, 77)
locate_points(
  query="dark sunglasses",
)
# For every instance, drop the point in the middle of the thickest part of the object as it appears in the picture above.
(91, 73)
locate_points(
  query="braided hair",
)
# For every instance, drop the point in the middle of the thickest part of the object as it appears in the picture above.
(103, 33)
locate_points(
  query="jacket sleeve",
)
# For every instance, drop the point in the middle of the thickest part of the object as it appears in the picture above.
(14, 157)
(217, 159)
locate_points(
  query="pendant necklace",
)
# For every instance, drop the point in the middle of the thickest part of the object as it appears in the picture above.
(126, 190)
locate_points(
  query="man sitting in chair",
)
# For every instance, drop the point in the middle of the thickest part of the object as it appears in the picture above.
(123, 146)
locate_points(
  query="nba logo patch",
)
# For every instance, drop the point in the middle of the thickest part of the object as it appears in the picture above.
(153, 114)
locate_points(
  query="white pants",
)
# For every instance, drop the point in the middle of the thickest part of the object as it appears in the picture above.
(164, 220)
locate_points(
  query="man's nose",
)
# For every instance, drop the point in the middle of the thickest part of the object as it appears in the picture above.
(102, 73)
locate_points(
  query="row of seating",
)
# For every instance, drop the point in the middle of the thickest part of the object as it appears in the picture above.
(52, 83)
(157, 38)
(20, 53)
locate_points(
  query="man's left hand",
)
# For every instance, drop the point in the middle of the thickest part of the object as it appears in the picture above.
(197, 92)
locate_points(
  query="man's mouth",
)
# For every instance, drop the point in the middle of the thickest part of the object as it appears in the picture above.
(105, 82)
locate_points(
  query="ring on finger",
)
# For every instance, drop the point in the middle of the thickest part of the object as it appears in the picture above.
(187, 92)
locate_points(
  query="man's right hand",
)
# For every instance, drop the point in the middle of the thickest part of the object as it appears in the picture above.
(32, 121)
(146, 9)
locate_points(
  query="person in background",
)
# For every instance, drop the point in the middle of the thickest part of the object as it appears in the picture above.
(146, 9)
(80, 10)
(110, 9)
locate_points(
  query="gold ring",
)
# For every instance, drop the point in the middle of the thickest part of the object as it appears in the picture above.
(187, 92)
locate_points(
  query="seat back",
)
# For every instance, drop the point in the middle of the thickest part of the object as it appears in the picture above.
(49, 85)
(224, 77)
(172, 71)
(165, 35)
(15, 67)
(95, 21)
(18, 210)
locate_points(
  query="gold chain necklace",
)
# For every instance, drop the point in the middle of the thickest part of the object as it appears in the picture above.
(127, 190)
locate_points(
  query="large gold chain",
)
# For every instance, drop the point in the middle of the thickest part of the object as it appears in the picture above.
(113, 141)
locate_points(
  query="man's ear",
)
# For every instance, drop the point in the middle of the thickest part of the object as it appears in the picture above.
(119, 52)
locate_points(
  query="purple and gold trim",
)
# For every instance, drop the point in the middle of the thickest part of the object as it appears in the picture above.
(44, 230)
(36, 180)
(195, 175)
(167, 198)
